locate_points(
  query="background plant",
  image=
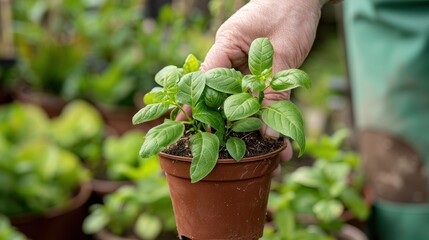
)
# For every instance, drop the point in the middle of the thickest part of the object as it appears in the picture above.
(144, 210)
(120, 164)
(80, 129)
(312, 199)
(224, 100)
(37, 174)
(104, 51)
(9, 232)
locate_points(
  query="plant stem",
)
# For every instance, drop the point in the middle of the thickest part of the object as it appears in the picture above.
(246, 135)
(261, 96)
(184, 112)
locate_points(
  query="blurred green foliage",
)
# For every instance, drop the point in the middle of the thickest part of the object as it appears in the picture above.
(8, 232)
(105, 51)
(35, 173)
(310, 201)
(324, 64)
(122, 161)
(80, 129)
(144, 210)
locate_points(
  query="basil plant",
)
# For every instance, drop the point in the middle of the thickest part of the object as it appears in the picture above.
(223, 101)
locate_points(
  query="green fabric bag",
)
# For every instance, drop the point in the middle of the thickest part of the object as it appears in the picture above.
(388, 56)
(395, 221)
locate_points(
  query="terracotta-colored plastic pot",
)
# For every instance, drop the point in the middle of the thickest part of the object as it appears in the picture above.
(50, 103)
(62, 223)
(103, 187)
(230, 203)
(106, 235)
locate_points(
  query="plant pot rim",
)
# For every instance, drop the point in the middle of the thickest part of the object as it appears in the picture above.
(105, 234)
(229, 160)
(79, 199)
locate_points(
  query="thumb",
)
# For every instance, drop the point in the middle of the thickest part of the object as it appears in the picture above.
(216, 57)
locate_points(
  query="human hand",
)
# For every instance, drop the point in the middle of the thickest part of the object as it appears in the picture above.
(290, 25)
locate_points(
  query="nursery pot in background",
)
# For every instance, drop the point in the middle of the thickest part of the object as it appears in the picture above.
(63, 223)
(230, 203)
(103, 187)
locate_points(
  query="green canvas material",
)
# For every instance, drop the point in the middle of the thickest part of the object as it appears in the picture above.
(401, 221)
(388, 56)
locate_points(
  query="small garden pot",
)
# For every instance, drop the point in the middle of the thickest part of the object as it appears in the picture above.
(106, 235)
(349, 232)
(51, 104)
(63, 223)
(102, 187)
(230, 203)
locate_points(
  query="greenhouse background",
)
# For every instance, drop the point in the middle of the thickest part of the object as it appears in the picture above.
(73, 74)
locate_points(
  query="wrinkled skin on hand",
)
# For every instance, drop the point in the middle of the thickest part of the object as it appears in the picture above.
(290, 25)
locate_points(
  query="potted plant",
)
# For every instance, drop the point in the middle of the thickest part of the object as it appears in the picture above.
(117, 167)
(142, 211)
(9, 232)
(80, 129)
(219, 183)
(43, 187)
(317, 201)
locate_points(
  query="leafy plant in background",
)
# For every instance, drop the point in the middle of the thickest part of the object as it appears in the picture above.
(17, 123)
(224, 101)
(118, 164)
(80, 129)
(44, 35)
(102, 50)
(37, 175)
(8, 232)
(312, 199)
(143, 210)
(119, 67)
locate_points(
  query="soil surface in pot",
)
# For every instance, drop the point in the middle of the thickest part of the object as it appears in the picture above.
(255, 143)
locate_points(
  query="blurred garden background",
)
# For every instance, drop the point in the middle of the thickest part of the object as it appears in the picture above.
(72, 75)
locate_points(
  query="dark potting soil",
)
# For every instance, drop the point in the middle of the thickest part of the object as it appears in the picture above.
(255, 145)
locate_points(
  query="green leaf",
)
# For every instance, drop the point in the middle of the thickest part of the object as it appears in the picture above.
(208, 116)
(306, 176)
(253, 83)
(224, 80)
(214, 98)
(96, 221)
(221, 137)
(328, 210)
(290, 79)
(148, 226)
(236, 148)
(260, 55)
(191, 64)
(167, 77)
(156, 95)
(266, 73)
(285, 221)
(247, 125)
(285, 118)
(150, 112)
(205, 152)
(239, 106)
(191, 86)
(174, 112)
(160, 137)
(355, 203)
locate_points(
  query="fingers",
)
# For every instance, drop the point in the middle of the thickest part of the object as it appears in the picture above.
(181, 116)
(287, 154)
(216, 57)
